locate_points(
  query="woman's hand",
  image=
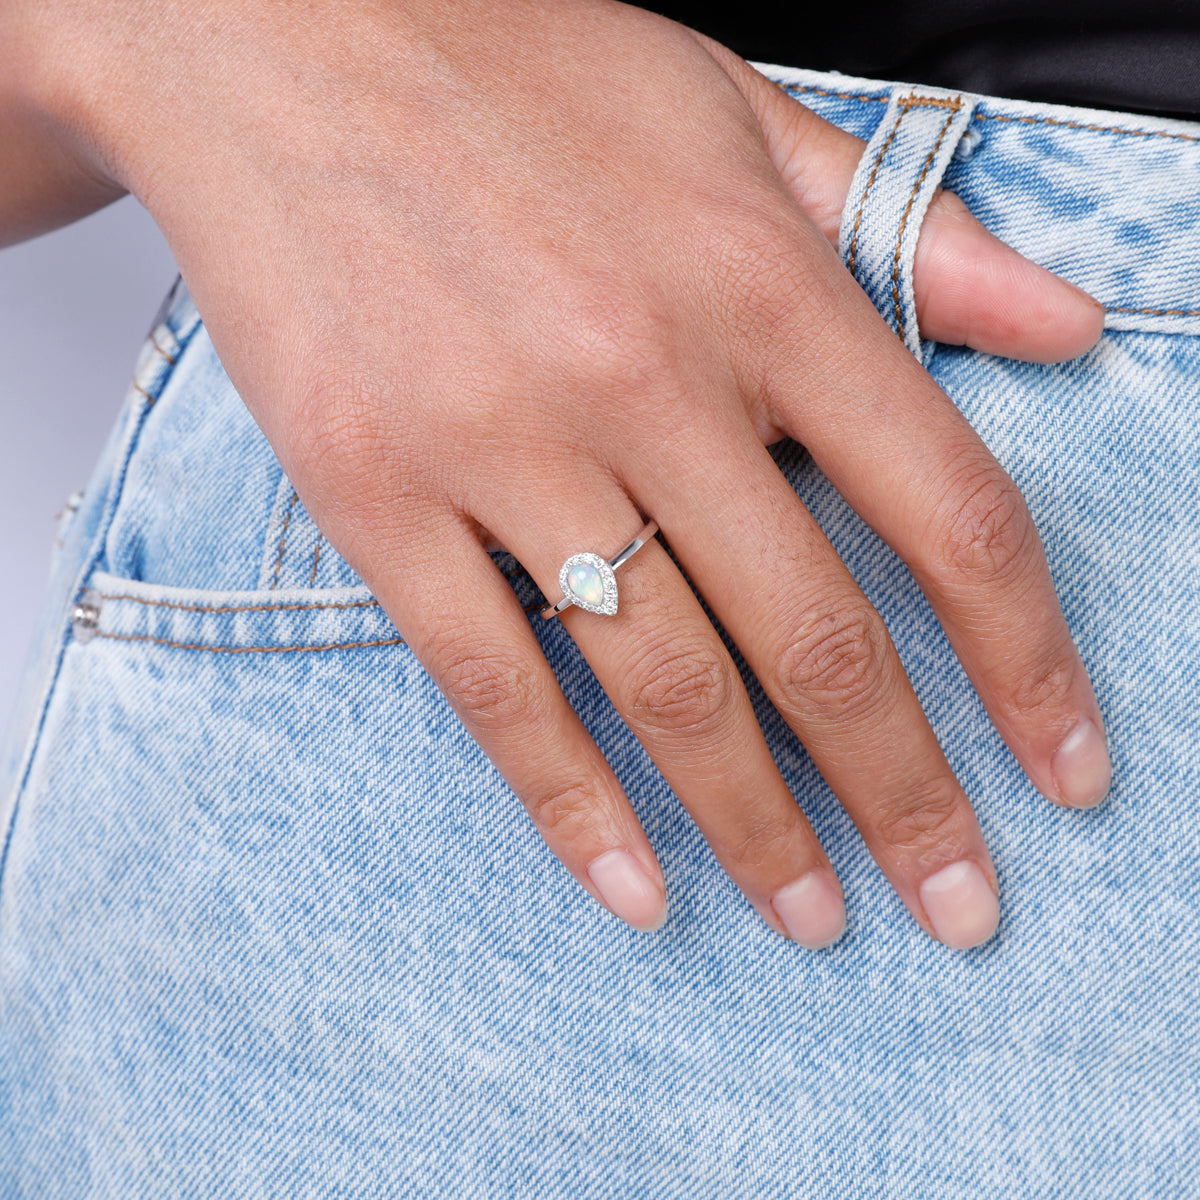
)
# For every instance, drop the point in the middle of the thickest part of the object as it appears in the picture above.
(505, 273)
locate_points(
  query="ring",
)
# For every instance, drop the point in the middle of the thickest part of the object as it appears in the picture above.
(587, 580)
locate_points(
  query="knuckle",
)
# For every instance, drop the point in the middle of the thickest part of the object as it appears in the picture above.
(836, 665)
(1047, 689)
(491, 688)
(921, 815)
(686, 688)
(755, 845)
(757, 264)
(990, 532)
(333, 416)
(762, 269)
(341, 439)
(571, 806)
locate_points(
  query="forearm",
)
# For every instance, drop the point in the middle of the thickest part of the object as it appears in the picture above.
(46, 179)
(41, 186)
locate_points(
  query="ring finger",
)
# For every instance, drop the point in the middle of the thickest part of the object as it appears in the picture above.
(669, 676)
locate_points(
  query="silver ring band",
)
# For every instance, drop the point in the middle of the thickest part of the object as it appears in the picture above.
(587, 580)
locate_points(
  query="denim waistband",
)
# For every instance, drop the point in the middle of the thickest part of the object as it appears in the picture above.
(1110, 201)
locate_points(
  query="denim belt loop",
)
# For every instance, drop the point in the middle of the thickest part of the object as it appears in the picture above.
(896, 178)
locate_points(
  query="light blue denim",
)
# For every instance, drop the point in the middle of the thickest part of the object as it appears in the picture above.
(272, 925)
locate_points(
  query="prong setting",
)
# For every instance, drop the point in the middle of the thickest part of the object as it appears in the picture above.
(590, 583)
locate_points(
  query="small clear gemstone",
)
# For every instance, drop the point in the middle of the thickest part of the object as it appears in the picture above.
(584, 581)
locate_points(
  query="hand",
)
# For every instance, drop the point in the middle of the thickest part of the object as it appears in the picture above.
(516, 273)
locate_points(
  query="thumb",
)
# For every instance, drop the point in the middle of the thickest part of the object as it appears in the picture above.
(970, 288)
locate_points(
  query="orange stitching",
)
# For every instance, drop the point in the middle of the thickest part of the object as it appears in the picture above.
(816, 91)
(137, 387)
(862, 200)
(952, 102)
(1157, 312)
(129, 637)
(238, 608)
(981, 116)
(1158, 133)
(316, 560)
(154, 343)
(287, 520)
(909, 102)
(908, 209)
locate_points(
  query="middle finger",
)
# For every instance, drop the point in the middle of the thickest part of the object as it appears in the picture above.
(826, 661)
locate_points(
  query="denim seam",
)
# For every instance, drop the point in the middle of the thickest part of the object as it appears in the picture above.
(290, 649)
(954, 106)
(312, 575)
(287, 520)
(816, 91)
(862, 200)
(1155, 312)
(238, 608)
(1152, 133)
(983, 116)
(154, 343)
(116, 488)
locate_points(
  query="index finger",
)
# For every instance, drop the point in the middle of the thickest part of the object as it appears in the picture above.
(894, 444)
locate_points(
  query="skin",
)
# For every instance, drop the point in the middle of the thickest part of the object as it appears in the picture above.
(516, 273)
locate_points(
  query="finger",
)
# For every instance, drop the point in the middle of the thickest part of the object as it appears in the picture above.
(464, 623)
(673, 682)
(828, 665)
(911, 465)
(971, 289)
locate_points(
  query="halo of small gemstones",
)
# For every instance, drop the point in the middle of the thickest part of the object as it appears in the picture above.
(590, 583)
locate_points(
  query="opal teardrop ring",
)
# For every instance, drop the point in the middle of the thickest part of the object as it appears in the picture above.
(587, 580)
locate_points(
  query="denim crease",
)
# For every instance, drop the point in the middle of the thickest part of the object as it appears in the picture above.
(272, 924)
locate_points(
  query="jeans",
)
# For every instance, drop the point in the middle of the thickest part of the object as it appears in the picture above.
(271, 924)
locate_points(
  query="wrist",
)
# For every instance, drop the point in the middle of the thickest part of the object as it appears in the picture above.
(53, 173)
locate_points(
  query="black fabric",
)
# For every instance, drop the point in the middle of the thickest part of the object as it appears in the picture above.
(1137, 55)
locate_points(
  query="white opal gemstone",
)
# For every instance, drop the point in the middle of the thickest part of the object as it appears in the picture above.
(584, 581)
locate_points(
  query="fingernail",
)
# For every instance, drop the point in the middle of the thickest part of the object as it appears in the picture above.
(961, 905)
(811, 910)
(625, 888)
(1081, 767)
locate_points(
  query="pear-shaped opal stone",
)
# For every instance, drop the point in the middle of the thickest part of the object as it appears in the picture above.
(584, 581)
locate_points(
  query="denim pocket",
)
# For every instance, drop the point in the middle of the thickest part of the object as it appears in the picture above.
(201, 501)
(120, 609)
(206, 544)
